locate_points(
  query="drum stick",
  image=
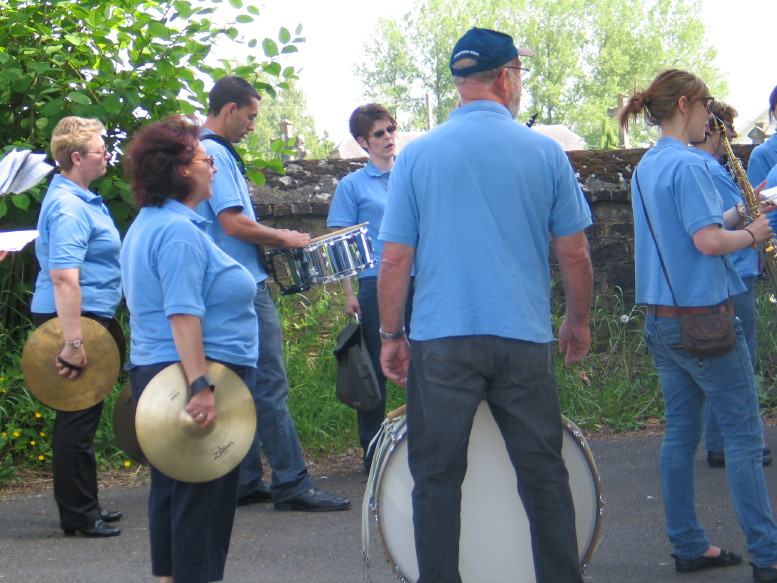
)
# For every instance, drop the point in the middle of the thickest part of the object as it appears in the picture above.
(398, 412)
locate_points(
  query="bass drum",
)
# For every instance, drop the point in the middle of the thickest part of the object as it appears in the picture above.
(495, 545)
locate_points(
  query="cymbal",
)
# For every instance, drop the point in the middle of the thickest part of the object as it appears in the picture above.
(124, 426)
(175, 444)
(88, 388)
(114, 327)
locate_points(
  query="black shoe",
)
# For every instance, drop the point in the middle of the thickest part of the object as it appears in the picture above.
(256, 497)
(724, 559)
(764, 573)
(717, 459)
(315, 500)
(110, 515)
(98, 529)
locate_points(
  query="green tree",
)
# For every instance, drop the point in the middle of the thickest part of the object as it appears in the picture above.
(289, 104)
(587, 51)
(124, 62)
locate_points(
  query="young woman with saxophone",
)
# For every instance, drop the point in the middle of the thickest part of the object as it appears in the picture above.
(681, 246)
(714, 149)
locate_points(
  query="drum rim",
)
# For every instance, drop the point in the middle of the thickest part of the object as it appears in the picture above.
(567, 424)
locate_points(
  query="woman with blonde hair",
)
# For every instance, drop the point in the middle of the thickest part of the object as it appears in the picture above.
(78, 251)
(682, 267)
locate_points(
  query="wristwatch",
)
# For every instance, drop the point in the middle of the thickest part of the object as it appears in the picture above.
(77, 343)
(200, 384)
(392, 335)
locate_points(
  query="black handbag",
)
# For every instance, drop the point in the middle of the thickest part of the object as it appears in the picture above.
(704, 334)
(357, 384)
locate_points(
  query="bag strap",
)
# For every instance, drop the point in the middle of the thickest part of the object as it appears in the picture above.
(655, 242)
(230, 148)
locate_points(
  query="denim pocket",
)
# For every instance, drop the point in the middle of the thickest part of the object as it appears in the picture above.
(446, 361)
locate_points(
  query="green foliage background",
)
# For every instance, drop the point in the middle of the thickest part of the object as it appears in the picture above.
(587, 52)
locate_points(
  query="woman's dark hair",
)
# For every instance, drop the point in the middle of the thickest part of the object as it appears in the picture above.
(773, 103)
(364, 116)
(659, 101)
(155, 155)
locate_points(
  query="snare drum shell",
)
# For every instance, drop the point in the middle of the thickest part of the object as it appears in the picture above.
(495, 544)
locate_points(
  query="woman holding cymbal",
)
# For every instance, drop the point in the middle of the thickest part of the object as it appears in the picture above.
(188, 301)
(78, 252)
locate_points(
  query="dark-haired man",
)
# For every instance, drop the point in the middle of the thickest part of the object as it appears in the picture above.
(473, 205)
(232, 107)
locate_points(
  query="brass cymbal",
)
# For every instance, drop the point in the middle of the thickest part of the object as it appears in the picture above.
(175, 444)
(114, 327)
(88, 388)
(124, 426)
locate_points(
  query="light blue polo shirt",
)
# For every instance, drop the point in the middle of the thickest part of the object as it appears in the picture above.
(746, 261)
(359, 198)
(762, 159)
(170, 266)
(680, 198)
(77, 232)
(230, 190)
(479, 198)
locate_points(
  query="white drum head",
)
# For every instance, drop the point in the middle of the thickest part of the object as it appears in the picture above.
(495, 545)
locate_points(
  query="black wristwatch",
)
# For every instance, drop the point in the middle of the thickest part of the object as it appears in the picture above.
(200, 384)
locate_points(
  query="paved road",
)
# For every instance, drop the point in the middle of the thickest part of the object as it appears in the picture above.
(288, 547)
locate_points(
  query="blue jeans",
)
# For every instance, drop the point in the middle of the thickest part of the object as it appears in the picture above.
(275, 428)
(744, 308)
(447, 380)
(369, 422)
(726, 382)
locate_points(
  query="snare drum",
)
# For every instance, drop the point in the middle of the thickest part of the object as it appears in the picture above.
(326, 259)
(495, 544)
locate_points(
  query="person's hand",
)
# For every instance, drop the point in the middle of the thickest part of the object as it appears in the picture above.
(352, 308)
(760, 229)
(3, 254)
(294, 239)
(395, 359)
(574, 341)
(764, 205)
(71, 361)
(202, 408)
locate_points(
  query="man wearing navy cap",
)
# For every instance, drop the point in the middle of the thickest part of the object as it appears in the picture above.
(491, 193)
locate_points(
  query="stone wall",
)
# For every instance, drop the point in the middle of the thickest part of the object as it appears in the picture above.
(300, 200)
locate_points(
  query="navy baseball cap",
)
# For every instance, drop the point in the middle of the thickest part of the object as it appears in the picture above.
(489, 48)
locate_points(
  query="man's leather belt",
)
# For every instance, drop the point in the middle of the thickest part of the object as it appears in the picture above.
(676, 312)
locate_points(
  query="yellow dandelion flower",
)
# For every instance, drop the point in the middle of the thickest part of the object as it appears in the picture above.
(16, 434)
(42, 434)
(127, 463)
(3, 434)
(41, 458)
(38, 415)
(32, 443)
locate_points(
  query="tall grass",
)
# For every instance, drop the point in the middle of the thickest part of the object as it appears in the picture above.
(614, 388)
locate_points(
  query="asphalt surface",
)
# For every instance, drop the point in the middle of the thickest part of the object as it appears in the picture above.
(269, 546)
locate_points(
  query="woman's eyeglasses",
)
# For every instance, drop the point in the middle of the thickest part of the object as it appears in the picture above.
(211, 160)
(381, 133)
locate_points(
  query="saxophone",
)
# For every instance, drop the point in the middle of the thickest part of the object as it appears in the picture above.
(767, 249)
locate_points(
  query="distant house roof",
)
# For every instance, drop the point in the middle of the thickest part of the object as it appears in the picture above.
(348, 148)
(761, 119)
(569, 140)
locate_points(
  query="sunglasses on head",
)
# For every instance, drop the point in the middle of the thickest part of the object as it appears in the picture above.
(380, 133)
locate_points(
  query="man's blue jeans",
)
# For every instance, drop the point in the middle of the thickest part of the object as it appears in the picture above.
(275, 427)
(447, 380)
(744, 308)
(726, 383)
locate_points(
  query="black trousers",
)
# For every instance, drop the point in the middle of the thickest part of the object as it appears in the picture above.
(73, 460)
